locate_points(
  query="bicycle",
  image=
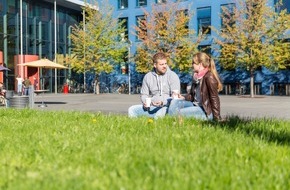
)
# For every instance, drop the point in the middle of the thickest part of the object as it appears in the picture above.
(103, 88)
(241, 89)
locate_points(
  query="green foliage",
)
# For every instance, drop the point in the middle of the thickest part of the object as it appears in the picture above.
(96, 41)
(165, 29)
(74, 150)
(251, 37)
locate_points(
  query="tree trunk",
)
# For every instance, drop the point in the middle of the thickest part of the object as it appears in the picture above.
(97, 84)
(98, 88)
(252, 83)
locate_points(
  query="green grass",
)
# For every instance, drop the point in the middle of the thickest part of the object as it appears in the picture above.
(73, 150)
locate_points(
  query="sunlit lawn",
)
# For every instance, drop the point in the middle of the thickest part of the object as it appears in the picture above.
(73, 150)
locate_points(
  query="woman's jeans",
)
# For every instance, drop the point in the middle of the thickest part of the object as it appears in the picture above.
(153, 112)
(187, 109)
(19, 88)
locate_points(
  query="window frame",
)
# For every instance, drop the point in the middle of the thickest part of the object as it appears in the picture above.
(126, 26)
(138, 3)
(123, 4)
(160, 1)
(139, 17)
(200, 25)
(232, 13)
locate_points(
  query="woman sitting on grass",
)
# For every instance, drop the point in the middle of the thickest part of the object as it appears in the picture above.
(202, 101)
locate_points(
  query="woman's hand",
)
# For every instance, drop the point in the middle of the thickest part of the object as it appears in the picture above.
(188, 97)
(181, 97)
(157, 104)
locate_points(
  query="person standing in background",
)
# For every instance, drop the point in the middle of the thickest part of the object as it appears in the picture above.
(19, 84)
(35, 83)
(26, 84)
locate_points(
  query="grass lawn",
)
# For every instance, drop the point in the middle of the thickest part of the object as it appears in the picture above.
(74, 150)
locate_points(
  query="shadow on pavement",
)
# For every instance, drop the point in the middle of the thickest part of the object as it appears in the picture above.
(46, 102)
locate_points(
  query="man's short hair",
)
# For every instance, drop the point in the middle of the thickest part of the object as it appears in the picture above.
(159, 56)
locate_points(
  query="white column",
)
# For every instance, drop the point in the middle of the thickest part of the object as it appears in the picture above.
(21, 40)
(129, 62)
(84, 22)
(55, 49)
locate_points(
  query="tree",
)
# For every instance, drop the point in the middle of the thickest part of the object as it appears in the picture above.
(166, 29)
(96, 43)
(252, 36)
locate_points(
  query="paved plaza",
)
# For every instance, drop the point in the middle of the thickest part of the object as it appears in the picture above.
(243, 106)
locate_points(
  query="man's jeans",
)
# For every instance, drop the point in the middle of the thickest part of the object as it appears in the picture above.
(154, 112)
(187, 109)
(26, 91)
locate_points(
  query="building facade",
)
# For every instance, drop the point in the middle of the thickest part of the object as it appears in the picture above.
(46, 24)
(207, 13)
(35, 29)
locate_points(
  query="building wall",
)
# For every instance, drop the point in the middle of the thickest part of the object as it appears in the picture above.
(267, 82)
(37, 33)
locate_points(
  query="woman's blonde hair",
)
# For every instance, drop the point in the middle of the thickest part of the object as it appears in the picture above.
(207, 62)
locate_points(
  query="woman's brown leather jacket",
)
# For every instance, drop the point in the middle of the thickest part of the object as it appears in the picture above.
(209, 95)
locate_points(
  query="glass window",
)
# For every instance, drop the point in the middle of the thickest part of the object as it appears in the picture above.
(285, 5)
(61, 17)
(140, 3)
(122, 4)
(204, 20)
(183, 14)
(12, 6)
(124, 25)
(44, 28)
(141, 24)
(205, 48)
(61, 32)
(11, 23)
(161, 21)
(46, 14)
(227, 13)
(73, 19)
(161, 1)
(1, 30)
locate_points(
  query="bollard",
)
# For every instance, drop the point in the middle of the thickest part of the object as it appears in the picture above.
(65, 88)
(31, 96)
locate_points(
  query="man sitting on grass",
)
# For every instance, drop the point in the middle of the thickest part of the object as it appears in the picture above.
(158, 85)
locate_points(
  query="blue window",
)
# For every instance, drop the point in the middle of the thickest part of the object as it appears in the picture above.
(227, 14)
(205, 48)
(140, 3)
(122, 4)
(285, 5)
(161, 1)
(141, 24)
(184, 13)
(124, 21)
(204, 20)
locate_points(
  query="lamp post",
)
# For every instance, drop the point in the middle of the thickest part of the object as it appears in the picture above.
(129, 69)
(55, 48)
(84, 22)
(21, 40)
